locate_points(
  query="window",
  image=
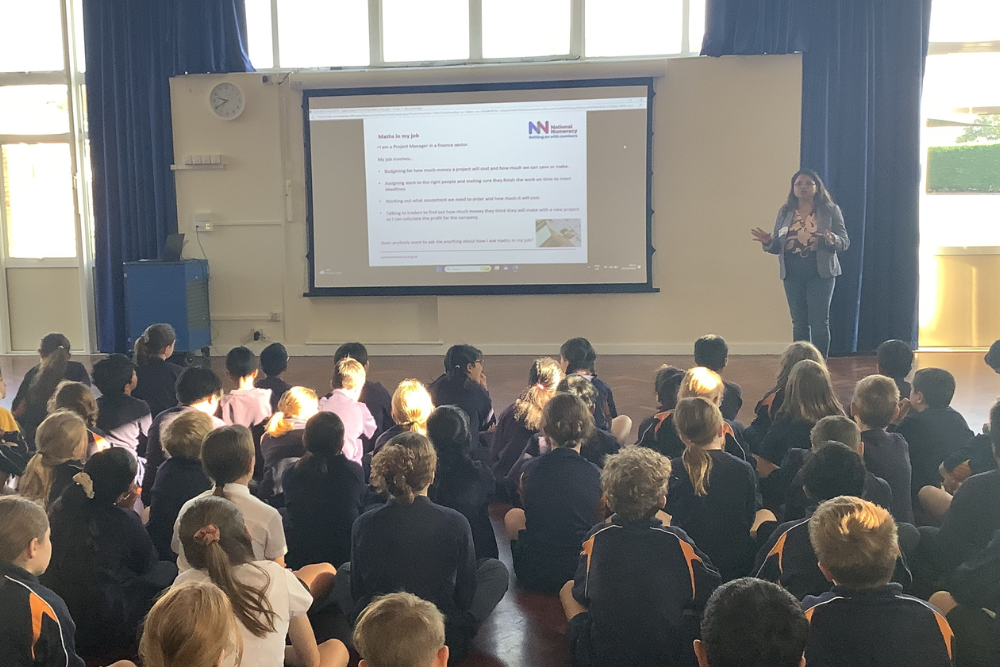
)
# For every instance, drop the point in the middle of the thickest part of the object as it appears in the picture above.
(965, 21)
(522, 28)
(304, 34)
(34, 109)
(31, 39)
(38, 200)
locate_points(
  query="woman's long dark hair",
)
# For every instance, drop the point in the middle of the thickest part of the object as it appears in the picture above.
(822, 200)
(55, 357)
(458, 359)
(74, 529)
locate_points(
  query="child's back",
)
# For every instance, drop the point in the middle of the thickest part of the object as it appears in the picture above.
(887, 455)
(246, 407)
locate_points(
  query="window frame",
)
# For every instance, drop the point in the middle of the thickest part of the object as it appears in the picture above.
(577, 42)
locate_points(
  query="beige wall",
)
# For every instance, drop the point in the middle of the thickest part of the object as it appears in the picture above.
(726, 141)
(43, 300)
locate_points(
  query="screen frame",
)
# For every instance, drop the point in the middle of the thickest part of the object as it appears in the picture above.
(475, 290)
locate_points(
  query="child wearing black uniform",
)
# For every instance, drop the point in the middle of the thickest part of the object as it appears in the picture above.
(864, 619)
(273, 362)
(601, 443)
(561, 495)
(894, 359)
(124, 419)
(156, 377)
(666, 385)
(875, 404)
(712, 352)
(640, 586)
(30, 406)
(463, 385)
(578, 356)
(519, 422)
(767, 407)
(713, 495)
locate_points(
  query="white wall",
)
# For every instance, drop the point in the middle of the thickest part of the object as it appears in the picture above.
(726, 141)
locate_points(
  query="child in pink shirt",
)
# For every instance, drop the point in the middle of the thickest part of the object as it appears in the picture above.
(348, 381)
(246, 405)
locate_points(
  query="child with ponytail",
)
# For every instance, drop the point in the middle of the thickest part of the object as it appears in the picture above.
(156, 378)
(62, 446)
(767, 407)
(411, 406)
(412, 544)
(464, 384)
(561, 495)
(192, 625)
(281, 444)
(713, 494)
(30, 406)
(268, 601)
(104, 564)
(521, 420)
(77, 397)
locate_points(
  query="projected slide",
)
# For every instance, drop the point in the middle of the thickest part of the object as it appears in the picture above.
(477, 192)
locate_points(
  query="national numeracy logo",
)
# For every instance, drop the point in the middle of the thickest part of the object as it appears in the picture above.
(543, 129)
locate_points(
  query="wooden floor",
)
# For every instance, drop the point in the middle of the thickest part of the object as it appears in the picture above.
(528, 630)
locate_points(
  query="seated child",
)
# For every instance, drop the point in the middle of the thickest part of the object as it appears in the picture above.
(788, 557)
(124, 419)
(834, 429)
(752, 623)
(274, 362)
(268, 600)
(865, 619)
(975, 457)
(933, 430)
(661, 433)
(104, 564)
(561, 496)
(324, 494)
(601, 444)
(7, 422)
(30, 405)
(37, 628)
(809, 397)
(179, 479)
(640, 587)
(78, 397)
(767, 407)
(348, 381)
(156, 378)
(281, 446)
(713, 495)
(894, 359)
(411, 406)
(401, 629)
(577, 356)
(191, 625)
(246, 405)
(414, 545)
(463, 384)
(712, 352)
(197, 389)
(62, 445)
(375, 397)
(228, 458)
(462, 484)
(519, 422)
(666, 385)
(887, 455)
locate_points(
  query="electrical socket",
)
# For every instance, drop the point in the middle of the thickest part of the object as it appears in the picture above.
(203, 221)
(259, 334)
(203, 227)
(275, 316)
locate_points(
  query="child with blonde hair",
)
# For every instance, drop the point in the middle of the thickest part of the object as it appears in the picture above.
(400, 629)
(517, 424)
(640, 586)
(414, 545)
(281, 445)
(809, 397)
(347, 384)
(411, 406)
(268, 601)
(192, 625)
(77, 397)
(661, 433)
(713, 494)
(865, 619)
(61, 442)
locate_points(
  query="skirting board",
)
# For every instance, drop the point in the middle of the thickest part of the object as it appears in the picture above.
(512, 349)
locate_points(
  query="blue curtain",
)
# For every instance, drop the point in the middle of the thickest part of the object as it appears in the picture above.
(862, 70)
(132, 49)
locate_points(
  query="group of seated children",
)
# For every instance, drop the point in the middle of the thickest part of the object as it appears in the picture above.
(259, 506)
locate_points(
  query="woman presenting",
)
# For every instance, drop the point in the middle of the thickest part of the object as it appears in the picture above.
(807, 235)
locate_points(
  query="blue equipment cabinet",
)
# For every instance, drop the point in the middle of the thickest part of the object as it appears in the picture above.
(171, 292)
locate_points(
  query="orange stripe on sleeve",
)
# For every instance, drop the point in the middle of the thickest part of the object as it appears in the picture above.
(39, 609)
(588, 551)
(778, 550)
(946, 632)
(690, 556)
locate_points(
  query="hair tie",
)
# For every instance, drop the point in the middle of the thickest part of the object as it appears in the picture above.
(207, 534)
(84, 480)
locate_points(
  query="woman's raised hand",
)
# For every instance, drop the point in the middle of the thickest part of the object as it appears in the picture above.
(760, 236)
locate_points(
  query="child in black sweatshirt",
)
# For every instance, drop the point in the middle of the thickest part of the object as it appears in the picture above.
(712, 352)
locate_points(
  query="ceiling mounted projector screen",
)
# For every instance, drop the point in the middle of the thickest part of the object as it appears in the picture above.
(522, 188)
